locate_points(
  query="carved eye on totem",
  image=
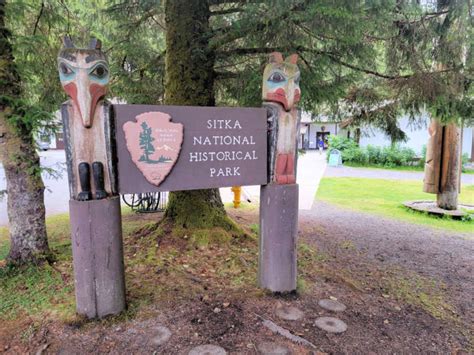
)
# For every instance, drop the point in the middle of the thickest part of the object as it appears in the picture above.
(276, 77)
(297, 80)
(100, 71)
(65, 70)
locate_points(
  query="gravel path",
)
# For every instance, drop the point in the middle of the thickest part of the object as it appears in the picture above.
(438, 254)
(347, 171)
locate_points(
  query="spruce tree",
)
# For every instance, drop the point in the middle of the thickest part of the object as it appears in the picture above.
(367, 61)
(146, 145)
(25, 189)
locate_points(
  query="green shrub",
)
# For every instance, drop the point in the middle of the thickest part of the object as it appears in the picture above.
(423, 156)
(341, 143)
(397, 156)
(371, 155)
(355, 155)
(374, 154)
(464, 161)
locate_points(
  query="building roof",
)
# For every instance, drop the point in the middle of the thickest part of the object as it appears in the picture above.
(308, 117)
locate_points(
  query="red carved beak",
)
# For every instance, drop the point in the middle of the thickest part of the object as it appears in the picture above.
(96, 93)
(85, 100)
(279, 96)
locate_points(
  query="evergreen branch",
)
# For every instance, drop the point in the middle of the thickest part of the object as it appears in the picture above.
(424, 17)
(38, 18)
(365, 70)
(223, 2)
(221, 75)
(436, 13)
(332, 56)
(258, 50)
(381, 75)
(230, 34)
(226, 11)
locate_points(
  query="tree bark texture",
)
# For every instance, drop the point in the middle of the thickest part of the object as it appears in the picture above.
(447, 197)
(433, 159)
(25, 189)
(190, 81)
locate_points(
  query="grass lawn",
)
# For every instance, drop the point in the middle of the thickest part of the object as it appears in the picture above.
(385, 197)
(47, 292)
(37, 290)
(414, 168)
(47, 289)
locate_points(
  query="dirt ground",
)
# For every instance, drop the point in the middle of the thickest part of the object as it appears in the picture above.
(408, 289)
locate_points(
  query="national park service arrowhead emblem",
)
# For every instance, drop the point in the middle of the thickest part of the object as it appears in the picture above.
(154, 143)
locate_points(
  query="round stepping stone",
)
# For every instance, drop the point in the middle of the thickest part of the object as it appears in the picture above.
(269, 348)
(207, 349)
(331, 324)
(163, 334)
(332, 305)
(289, 313)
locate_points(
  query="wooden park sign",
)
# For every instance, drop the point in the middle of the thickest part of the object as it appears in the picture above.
(123, 149)
(171, 148)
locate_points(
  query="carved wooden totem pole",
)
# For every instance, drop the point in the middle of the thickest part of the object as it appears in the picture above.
(96, 228)
(279, 198)
(443, 164)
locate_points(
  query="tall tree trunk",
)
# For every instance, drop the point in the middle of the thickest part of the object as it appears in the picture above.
(190, 81)
(357, 135)
(450, 178)
(25, 189)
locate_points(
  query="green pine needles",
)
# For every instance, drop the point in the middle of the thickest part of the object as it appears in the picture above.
(146, 145)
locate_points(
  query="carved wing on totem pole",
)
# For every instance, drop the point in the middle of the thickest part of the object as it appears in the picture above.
(87, 121)
(280, 93)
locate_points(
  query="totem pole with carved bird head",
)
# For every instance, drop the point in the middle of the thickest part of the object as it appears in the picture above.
(87, 122)
(280, 93)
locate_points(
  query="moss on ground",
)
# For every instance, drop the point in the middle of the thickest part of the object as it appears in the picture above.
(179, 265)
(198, 210)
(161, 264)
(423, 292)
(42, 290)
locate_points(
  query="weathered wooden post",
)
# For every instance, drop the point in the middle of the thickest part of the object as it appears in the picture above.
(94, 208)
(279, 198)
(443, 164)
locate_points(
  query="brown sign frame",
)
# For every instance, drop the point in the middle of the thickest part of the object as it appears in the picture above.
(193, 166)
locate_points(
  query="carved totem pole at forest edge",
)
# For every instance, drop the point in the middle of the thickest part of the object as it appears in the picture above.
(279, 199)
(94, 207)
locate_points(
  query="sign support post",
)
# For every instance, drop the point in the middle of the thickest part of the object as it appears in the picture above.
(278, 234)
(94, 208)
(97, 250)
(277, 266)
(172, 148)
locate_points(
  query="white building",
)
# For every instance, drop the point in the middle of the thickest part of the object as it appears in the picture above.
(47, 138)
(313, 128)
